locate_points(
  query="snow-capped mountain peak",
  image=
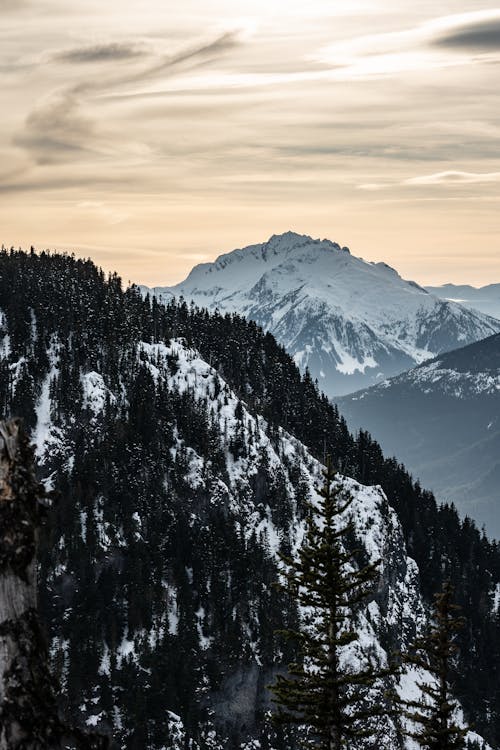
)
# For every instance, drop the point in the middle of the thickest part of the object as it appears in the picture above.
(350, 321)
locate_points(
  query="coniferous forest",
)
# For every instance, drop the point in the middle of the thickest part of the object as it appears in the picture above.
(183, 449)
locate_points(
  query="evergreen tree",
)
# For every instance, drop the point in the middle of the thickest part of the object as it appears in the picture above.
(434, 713)
(320, 692)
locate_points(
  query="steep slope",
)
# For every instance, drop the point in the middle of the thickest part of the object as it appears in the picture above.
(443, 420)
(350, 322)
(182, 471)
(241, 503)
(486, 299)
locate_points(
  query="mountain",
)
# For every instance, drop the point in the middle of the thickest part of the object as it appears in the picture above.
(183, 447)
(352, 323)
(486, 299)
(442, 419)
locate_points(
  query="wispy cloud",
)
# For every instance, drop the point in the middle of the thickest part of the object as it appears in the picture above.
(446, 178)
(101, 209)
(57, 130)
(454, 177)
(10, 5)
(111, 52)
(478, 31)
(441, 42)
(373, 186)
(483, 36)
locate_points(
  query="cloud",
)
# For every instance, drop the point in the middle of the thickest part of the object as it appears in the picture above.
(111, 52)
(102, 210)
(450, 177)
(372, 186)
(55, 128)
(217, 46)
(431, 45)
(9, 5)
(454, 177)
(38, 184)
(475, 35)
(164, 64)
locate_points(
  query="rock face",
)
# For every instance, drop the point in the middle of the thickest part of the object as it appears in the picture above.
(352, 323)
(173, 439)
(443, 420)
(29, 715)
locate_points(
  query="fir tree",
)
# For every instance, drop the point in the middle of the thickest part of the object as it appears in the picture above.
(434, 713)
(320, 692)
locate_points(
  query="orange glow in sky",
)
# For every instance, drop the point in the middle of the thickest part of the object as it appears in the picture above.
(152, 136)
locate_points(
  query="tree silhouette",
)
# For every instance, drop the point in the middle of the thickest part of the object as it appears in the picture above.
(320, 692)
(434, 713)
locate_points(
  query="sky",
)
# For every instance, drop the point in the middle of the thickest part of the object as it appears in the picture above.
(151, 135)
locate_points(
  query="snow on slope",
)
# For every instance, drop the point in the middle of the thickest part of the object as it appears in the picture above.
(349, 321)
(397, 607)
(464, 373)
(434, 377)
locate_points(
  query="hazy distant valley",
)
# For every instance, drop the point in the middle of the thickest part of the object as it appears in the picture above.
(442, 419)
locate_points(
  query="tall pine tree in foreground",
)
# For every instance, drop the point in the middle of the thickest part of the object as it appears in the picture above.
(320, 692)
(434, 714)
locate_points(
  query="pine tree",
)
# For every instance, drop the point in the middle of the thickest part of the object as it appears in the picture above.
(434, 713)
(320, 692)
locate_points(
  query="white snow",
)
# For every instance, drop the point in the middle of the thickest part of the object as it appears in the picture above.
(94, 720)
(46, 435)
(496, 598)
(104, 667)
(437, 377)
(95, 392)
(349, 365)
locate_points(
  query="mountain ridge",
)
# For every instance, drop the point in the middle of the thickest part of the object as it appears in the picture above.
(486, 298)
(442, 418)
(349, 321)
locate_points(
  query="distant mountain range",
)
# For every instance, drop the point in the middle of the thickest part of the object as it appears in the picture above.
(442, 419)
(351, 322)
(486, 299)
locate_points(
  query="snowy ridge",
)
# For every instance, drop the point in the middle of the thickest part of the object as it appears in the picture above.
(394, 615)
(461, 385)
(349, 321)
(462, 374)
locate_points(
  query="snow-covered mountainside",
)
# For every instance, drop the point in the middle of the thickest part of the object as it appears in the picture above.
(486, 299)
(254, 469)
(183, 447)
(352, 323)
(443, 420)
